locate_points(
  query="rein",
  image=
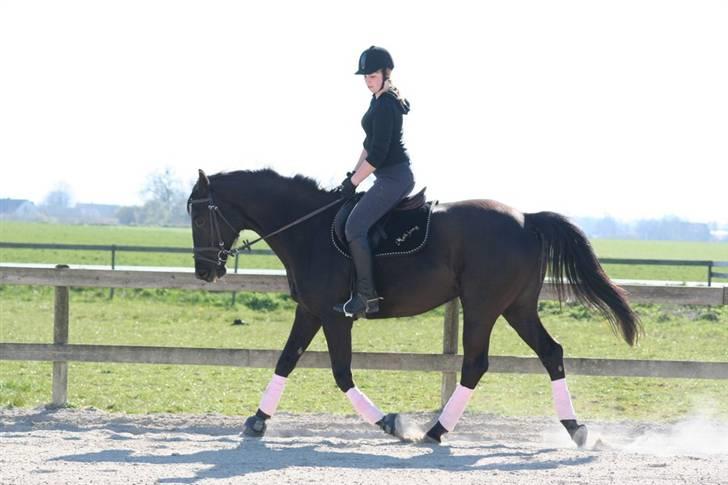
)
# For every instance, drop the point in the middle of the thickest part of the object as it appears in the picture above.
(216, 235)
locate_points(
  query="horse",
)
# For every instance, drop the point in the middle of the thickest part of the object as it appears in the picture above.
(489, 255)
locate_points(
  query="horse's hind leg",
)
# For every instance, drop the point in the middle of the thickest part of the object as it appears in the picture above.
(526, 322)
(478, 321)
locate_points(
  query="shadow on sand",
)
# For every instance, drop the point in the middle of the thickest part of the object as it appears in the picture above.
(255, 455)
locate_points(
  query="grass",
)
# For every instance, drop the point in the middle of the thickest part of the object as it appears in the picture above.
(11, 231)
(169, 318)
(709, 251)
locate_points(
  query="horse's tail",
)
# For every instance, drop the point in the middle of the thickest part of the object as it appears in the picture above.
(566, 252)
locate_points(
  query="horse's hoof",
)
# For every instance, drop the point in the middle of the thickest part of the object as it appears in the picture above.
(579, 435)
(254, 427)
(431, 440)
(389, 424)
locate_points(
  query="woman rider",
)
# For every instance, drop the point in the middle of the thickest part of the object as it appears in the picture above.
(385, 156)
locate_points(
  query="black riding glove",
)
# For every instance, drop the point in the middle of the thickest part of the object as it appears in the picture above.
(347, 188)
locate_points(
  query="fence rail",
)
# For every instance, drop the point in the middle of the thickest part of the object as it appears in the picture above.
(448, 363)
(114, 249)
(275, 281)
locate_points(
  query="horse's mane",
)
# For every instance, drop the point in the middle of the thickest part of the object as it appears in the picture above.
(298, 183)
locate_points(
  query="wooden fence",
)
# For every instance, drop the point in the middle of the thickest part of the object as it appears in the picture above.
(60, 352)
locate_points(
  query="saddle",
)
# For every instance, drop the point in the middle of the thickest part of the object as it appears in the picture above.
(402, 230)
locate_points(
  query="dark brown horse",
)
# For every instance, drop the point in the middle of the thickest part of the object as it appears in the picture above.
(491, 256)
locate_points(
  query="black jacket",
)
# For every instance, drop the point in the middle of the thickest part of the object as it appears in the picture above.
(382, 124)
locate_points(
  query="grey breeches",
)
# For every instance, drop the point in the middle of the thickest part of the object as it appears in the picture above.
(392, 184)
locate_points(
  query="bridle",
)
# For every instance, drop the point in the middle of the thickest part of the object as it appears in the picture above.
(218, 243)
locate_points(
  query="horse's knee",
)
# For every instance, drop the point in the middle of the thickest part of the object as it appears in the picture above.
(473, 370)
(552, 359)
(343, 379)
(286, 364)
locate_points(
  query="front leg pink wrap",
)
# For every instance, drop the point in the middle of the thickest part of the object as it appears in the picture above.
(272, 395)
(363, 406)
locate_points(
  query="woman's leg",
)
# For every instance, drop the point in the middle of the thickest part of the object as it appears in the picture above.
(391, 186)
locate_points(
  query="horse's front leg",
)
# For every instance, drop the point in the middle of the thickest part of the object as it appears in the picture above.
(338, 339)
(305, 327)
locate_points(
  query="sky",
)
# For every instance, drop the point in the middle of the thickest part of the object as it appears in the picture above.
(615, 108)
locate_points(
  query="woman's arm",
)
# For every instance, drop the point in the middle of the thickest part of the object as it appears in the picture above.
(362, 159)
(381, 138)
(364, 169)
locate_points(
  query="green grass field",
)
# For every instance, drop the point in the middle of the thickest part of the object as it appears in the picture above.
(199, 319)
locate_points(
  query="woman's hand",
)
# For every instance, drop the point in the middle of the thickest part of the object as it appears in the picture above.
(347, 188)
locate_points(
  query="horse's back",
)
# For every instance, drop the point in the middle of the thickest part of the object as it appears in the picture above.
(486, 220)
(487, 237)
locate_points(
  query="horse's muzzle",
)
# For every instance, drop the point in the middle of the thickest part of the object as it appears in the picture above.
(210, 274)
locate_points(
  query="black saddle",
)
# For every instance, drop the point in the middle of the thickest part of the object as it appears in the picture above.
(402, 230)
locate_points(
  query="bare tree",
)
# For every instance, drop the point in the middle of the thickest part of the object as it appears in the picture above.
(59, 198)
(165, 200)
(163, 187)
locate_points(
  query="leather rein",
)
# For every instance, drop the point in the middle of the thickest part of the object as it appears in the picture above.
(216, 235)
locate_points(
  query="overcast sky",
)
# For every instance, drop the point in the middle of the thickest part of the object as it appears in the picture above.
(586, 108)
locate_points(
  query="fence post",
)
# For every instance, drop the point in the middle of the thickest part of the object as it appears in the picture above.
(113, 266)
(59, 396)
(236, 270)
(450, 346)
(710, 273)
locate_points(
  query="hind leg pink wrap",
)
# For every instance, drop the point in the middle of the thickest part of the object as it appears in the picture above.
(363, 406)
(562, 399)
(272, 395)
(455, 407)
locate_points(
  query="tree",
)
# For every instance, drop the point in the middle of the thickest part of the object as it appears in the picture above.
(162, 187)
(59, 198)
(165, 200)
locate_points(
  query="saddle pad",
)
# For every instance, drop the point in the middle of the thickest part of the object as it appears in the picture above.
(397, 233)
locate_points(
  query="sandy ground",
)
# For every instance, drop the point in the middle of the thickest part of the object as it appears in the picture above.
(89, 446)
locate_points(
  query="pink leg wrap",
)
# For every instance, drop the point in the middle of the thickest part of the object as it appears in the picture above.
(562, 399)
(366, 409)
(272, 394)
(455, 407)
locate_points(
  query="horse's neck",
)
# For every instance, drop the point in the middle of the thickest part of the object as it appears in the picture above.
(293, 245)
(279, 206)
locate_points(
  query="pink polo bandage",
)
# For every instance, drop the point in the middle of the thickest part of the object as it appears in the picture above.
(562, 399)
(455, 407)
(272, 394)
(366, 409)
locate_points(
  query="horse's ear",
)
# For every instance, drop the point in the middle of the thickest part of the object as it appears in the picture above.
(203, 183)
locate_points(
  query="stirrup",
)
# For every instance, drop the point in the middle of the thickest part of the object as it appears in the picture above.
(369, 306)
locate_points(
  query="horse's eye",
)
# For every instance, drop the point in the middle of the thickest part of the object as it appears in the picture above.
(198, 221)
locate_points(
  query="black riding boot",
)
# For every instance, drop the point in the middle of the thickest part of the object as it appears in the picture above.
(364, 300)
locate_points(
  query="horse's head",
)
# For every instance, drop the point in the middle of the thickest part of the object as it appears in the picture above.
(213, 236)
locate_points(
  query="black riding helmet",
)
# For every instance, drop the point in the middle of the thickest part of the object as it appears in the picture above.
(373, 59)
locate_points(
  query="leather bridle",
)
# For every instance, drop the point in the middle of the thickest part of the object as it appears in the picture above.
(217, 241)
